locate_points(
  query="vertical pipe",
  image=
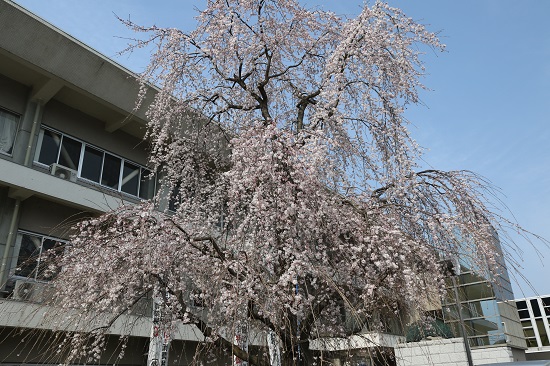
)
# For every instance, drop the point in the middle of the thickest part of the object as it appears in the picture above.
(35, 123)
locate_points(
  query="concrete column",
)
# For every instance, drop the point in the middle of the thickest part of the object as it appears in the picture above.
(32, 114)
(9, 221)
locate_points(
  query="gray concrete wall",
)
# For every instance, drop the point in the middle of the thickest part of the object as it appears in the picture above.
(54, 52)
(57, 222)
(14, 98)
(514, 331)
(34, 182)
(13, 95)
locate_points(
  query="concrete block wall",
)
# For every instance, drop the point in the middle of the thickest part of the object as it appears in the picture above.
(483, 356)
(449, 352)
(434, 352)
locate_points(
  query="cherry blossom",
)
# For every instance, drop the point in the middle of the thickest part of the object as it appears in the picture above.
(278, 133)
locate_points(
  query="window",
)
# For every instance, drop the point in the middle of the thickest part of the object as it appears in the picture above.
(523, 314)
(91, 164)
(8, 129)
(521, 304)
(111, 171)
(94, 165)
(34, 253)
(175, 198)
(535, 307)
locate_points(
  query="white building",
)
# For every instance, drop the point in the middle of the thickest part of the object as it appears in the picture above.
(534, 313)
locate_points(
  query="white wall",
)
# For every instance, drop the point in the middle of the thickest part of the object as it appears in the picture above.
(450, 352)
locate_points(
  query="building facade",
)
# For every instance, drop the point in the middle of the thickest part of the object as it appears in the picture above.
(71, 146)
(485, 301)
(534, 313)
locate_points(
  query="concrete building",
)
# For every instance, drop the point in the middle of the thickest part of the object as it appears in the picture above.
(71, 146)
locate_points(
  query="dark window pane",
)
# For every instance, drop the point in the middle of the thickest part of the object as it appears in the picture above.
(546, 301)
(8, 127)
(542, 333)
(523, 314)
(69, 155)
(529, 332)
(49, 148)
(50, 249)
(147, 184)
(91, 164)
(175, 198)
(535, 306)
(111, 171)
(475, 292)
(28, 256)
(130, 178)
(521, 304)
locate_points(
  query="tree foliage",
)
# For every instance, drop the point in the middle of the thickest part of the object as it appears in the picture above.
(279, 133)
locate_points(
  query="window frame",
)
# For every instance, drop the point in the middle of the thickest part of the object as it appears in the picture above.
(15, 133)
(17, 249)
(143, 170)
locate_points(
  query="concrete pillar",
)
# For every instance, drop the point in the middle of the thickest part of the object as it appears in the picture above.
(24, 132)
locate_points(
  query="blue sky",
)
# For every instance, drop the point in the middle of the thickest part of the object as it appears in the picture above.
(488, 109)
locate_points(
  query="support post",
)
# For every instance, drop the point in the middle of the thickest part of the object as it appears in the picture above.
(159, 342)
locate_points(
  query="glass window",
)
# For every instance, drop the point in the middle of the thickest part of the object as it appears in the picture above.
(542, 333)
(130, 178)
(91, 164)
(111, 171)
(8, 129)
(521, 304)
(69, 154)
(475, 292)
(523, 314)
(530, 332)
(467, 278)
(481, 326)
(95, 164)
(27, 259)
(147, 184)
(479, 341)
(34, 256)
(50, 250)
(49, 147)
(535, 307)
(175, 198)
